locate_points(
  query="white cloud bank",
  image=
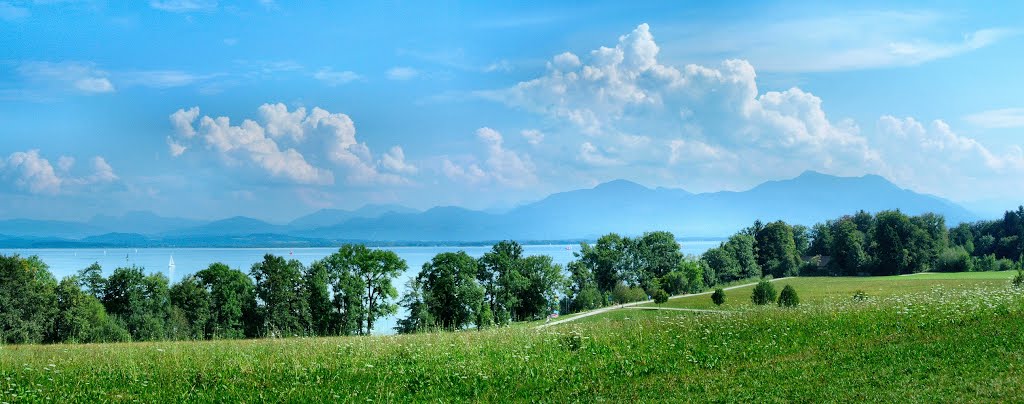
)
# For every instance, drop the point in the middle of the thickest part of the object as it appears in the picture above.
(258, 143)
(710, 128)
(501, 166)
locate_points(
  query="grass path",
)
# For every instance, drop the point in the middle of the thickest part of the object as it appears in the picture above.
(629, 305)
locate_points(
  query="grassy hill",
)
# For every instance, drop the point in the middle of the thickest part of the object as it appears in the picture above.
(917, 338)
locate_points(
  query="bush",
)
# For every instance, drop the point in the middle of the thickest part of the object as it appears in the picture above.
(764, 293)
(860, 296)
(674, 282)
(1018, 281)
(986, 263)
(954, 259)
(660, 296)
(718, 297)
(626, 294)
(788, 297)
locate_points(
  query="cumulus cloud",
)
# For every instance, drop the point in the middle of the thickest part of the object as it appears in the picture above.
(501, 165)
(258, 143)
(402, 73)
(31, 172)
(632, 109)
(394, 161)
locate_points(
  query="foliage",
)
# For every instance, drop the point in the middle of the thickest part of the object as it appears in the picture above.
(1018, 280)
(232, 302)
(27, 300)
(718, 297)
(141, 302)
(764, 293)
(628, 294)
(788, 297)
(450, 291)
(283, 308)
(776, 250)
(660, 296)
(955, 259)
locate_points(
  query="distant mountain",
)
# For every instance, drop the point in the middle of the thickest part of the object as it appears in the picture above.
(630, 208)
(235, 226)
(333, 217)
(618, 206)
(142, 223)
(47, 228)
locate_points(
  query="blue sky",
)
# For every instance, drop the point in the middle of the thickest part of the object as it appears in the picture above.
(273, 109)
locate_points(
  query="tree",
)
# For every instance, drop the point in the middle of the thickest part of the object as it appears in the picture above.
(674, 282)
(232, 302)
(764, 293)
(91, 279)
(604, 259)
(848, 256)
(141, 301)
(191, 298)
(718, 297)
(347, 287)
(777, 253)
(496, 266)
(27, 300)
(658, 254)
(962, 236)
(583, 293)
(543, 280)
(724, 265)
(81, 318)
(821, 240)
(451, 293)
(377, 271)
(660, 296)
(419, 317)
(283, 308)
(801, 239)
(955, 259)
(788, 297)
(741, 246)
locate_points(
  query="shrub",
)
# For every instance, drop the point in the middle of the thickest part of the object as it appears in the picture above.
(860, 296)
(626, 294)
(764, 293)
(954, 259)
(986, 263)
(660, 296)
(788, 297)
(1018, 281)
(674, 282)
(718, 297)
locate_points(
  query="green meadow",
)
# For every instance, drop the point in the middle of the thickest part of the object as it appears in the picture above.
(921, 338)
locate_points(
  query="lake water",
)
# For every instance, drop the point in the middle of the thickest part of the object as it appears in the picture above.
(65, 262)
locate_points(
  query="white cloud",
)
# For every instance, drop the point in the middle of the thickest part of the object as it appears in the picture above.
(160, 78)
(75, 76)
(34, 173)
(176, 149)
(852, 41)
(501, 166)
(64, 163)
(334, 78)
(257, 142)
(532, 136)
(394, 161)
(402, 73)
(183, 6)
(590, 155)
(998, 118)
(182, 120)
(471, 174)
(10, 12)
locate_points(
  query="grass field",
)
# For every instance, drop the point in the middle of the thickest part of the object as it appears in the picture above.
(818, 290)
(940, 342)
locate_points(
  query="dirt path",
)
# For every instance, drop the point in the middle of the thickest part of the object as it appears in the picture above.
(628, 305)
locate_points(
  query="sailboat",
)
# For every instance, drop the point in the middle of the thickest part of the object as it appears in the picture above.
(170, 266)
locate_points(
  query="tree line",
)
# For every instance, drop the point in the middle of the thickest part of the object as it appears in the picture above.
(346, 292)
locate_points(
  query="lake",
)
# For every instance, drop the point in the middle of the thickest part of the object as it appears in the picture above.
(65, 262)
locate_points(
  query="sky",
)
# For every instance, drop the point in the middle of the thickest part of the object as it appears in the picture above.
(272, 109)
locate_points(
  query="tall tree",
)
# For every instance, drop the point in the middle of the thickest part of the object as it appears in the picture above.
(141, 301)
(847, 248)
(777, 250)
(499, 276)
(91, 279)
(450, 289)
(284, 309)
(191, 300)
(659, 254)
(604, 259)
(81, 317)
(232, 301)
(27, 300)
(377, 272)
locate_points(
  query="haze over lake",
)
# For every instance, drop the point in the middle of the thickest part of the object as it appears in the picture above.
(66, 262)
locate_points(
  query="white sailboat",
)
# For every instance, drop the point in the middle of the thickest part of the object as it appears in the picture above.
(170, 268)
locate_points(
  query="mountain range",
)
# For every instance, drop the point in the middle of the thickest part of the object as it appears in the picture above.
(617, 206)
